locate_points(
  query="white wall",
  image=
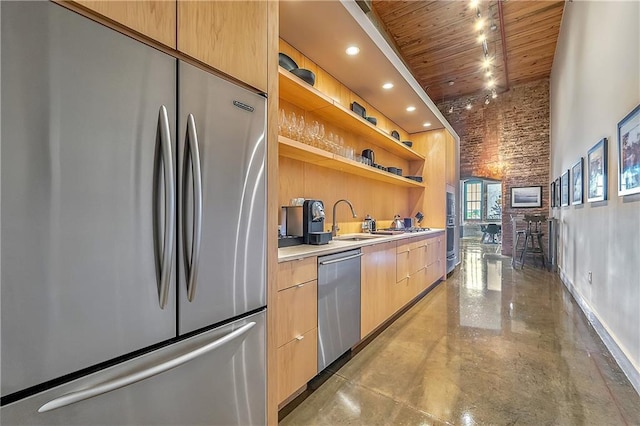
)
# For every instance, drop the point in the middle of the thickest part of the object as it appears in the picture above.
(595, 82)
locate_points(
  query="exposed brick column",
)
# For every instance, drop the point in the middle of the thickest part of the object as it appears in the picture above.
(507, 140)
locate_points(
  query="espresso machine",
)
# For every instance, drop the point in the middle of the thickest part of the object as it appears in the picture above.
(313, 223)
(303, 225)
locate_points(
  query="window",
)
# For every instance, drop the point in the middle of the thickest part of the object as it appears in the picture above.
(473, 200)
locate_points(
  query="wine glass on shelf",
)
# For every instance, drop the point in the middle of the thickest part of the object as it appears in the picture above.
(282, 123)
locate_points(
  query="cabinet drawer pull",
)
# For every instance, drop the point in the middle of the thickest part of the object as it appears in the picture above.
(298, 338)
(300, 285)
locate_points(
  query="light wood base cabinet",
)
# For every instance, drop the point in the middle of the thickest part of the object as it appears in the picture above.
(298, 311)
(296, 325)
(377, 284)
(297, 363)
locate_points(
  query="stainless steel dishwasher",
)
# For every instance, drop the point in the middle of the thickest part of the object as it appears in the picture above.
(338, 305)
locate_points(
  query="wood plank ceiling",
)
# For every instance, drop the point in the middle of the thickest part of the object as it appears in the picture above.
(438, 40)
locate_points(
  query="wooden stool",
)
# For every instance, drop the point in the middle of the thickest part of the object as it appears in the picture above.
(532, 237)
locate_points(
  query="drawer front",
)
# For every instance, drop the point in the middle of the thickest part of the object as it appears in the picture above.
(403, 260)
(402, 247)
(416, 259)
(297, 271)
(297, 311)
(297, 363)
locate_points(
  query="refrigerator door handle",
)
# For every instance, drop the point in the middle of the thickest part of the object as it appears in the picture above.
(120, 382)
(163, 247)
(192, 152)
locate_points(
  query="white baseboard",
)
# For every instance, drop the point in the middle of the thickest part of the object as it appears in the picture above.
(625, 364)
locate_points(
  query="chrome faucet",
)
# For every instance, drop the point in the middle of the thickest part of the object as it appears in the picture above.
(334, 225)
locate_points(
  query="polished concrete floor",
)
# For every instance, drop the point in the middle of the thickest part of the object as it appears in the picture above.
(489, 346)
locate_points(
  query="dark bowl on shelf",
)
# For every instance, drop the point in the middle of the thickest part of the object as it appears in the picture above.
(416, 178)
(308, 76)
(408, 143)
(395, 134)
(372, 120)
(286, 62)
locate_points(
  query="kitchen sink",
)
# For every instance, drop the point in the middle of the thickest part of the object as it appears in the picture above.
(362, 237)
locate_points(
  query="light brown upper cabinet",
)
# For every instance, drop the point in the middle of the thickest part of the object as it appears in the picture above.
(155, 19)
(230, 36)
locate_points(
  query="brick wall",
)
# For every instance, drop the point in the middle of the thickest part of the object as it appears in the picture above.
(507, 140)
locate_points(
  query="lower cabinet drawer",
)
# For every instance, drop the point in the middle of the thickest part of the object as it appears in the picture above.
(297, 311)
(297, 363)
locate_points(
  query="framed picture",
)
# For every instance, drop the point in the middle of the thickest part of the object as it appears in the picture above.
(577, 184)
(629, 153)
(564, 189)
(552, 194)
(597, 159)
(557, 192)
(526, 197)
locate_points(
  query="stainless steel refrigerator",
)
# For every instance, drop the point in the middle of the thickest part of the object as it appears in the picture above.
(133, 231)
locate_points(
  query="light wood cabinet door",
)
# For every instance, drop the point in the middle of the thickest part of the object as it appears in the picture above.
(297, 272)
(416, 258)
(403, 258)
(297, 363)
(297, 311)
(230, 36)
(155, 19)
(378, 277)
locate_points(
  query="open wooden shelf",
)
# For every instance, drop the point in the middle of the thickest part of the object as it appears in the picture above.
(299, 93)
(309, 154)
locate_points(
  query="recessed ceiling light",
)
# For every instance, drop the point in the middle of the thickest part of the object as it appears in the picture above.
(491, 83)
(486, 63)
(488, 74)
(474, 3)
(427, 124)
(468, 105)
(481, 38)
(451, 83)
(486, 100)
(494, 94)
(493, 26)
(411, 108)
(387, 86)
(352, 50)
(479, 24)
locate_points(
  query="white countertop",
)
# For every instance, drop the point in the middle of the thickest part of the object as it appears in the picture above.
(337, 245)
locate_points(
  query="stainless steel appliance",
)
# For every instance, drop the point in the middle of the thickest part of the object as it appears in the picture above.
(338, 305)
(313, 223)
(133, 290)
(451, 231)
(290, 226)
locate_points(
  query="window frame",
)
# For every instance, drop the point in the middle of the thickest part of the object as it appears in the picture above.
(478, 200)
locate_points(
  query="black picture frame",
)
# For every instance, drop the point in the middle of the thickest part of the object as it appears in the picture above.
(577, 182)
(524, 197)
(564, 189)
(557, 192)
(629, 153)
(552, 194)
(597, 175)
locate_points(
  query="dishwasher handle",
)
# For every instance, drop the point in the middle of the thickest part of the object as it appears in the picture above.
(342, 259)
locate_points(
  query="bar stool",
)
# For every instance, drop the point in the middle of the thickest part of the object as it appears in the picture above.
(532, 238)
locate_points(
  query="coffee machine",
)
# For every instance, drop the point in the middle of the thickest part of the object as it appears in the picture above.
(313, 223)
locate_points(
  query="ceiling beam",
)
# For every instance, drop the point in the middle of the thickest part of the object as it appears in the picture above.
(504, 45)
